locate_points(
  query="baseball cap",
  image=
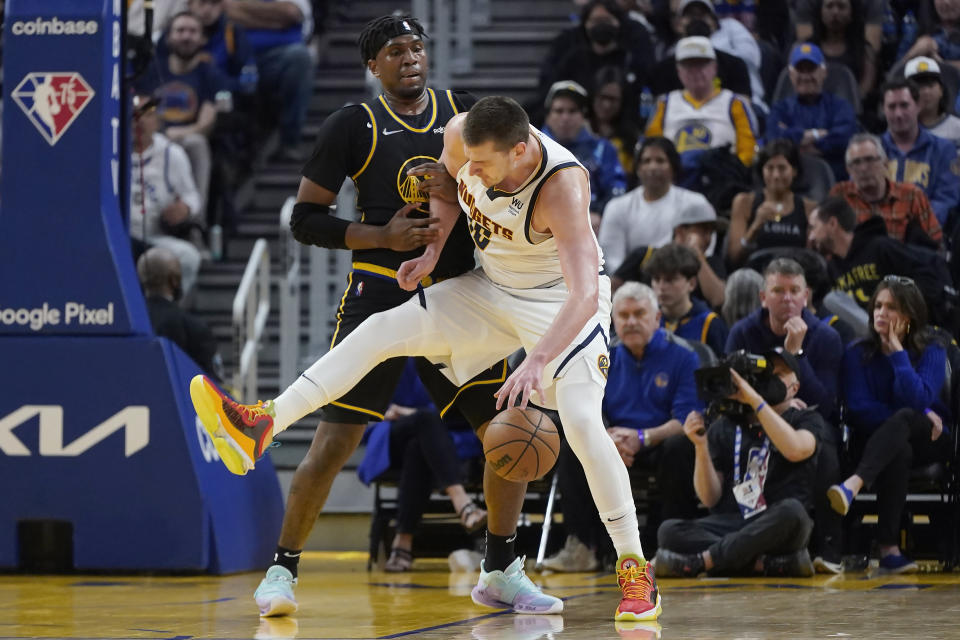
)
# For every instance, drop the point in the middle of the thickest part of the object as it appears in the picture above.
(696, 213)
(788, 358)
(806, 52)
(695, 47)
(687, 3)
(570, 89)
(921, 65)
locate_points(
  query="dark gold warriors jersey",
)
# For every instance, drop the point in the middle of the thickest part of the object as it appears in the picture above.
(375, 147)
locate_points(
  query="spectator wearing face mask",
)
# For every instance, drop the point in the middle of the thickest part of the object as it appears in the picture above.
(605, 37)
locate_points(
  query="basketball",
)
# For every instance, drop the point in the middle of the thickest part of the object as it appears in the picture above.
(521, 444)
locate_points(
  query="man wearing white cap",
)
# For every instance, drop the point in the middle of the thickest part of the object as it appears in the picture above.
(934, 113)
(703, 116)
(726, 34)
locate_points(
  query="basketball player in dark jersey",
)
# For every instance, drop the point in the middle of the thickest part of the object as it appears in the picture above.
(375, 144)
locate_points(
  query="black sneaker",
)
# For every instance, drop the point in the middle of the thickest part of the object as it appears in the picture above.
(797, 565)
(670, 564)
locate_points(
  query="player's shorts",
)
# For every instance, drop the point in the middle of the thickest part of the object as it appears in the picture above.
(483, 322)
(368, 293)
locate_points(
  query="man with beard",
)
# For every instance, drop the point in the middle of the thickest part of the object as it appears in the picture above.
(861, 255)
(783, 321)
(185, 83)
(375, 144)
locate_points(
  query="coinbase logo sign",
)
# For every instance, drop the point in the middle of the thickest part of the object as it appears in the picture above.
(54, 27)
(52, 101)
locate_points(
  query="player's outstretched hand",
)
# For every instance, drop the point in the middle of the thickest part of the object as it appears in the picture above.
(411, 272)
(522, 382)
(404, 233)
(436, 181)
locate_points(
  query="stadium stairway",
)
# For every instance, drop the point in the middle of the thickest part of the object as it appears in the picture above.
(507, 54)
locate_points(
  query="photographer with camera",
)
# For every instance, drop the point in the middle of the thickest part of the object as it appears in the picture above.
(785, 321)
(754, 470)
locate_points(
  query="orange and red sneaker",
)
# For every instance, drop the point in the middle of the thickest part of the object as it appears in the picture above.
(641, 598)
(240, 432)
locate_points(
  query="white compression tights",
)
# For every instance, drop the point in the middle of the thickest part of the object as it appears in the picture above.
(406, 330)
(579, 402)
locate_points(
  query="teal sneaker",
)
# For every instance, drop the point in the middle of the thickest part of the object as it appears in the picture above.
(512, 589)
(274, 596)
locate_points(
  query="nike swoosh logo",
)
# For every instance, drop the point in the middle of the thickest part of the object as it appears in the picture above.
(390, 133)
(291, 555)
(615, 519)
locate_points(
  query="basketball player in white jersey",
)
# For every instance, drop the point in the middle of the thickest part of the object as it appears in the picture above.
(539, 287)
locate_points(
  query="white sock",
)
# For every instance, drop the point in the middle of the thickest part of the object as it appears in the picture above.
(624, 530)
(288, 407)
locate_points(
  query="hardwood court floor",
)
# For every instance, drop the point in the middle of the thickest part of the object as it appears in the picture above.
(340, 599)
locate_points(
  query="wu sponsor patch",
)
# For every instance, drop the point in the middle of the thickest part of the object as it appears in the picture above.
(52, 101)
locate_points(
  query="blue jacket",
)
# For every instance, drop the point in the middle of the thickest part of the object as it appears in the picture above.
(700, 324)
(263, 40)
(599, 156)
(930, 166)
(233, 56)
(819, 365)
(877, 388)
(789, 118)
(648, 392)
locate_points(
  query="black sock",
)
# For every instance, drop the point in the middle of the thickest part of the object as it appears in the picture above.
(288, 559)
(696, 565)
(500, 552)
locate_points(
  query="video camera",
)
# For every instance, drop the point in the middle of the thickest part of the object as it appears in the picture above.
(715, 384)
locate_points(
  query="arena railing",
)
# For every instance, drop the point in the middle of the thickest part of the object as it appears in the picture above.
(251, 308)
(289, 298)
(326, 272)
(451, 35)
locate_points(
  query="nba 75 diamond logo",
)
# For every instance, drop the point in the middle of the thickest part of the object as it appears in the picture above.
(53, 100)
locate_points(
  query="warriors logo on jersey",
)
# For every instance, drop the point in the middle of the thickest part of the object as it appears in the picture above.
(693, 137)
(409, 186)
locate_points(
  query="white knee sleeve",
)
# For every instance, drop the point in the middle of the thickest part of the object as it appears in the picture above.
(579, 403)
(579, 400)
(407, 330)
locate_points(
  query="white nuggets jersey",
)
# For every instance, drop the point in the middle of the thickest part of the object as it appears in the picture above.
(511, 252)
(694, 127)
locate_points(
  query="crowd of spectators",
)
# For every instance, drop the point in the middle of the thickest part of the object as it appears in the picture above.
(809, 149)
(711, 130)
(221, 78)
